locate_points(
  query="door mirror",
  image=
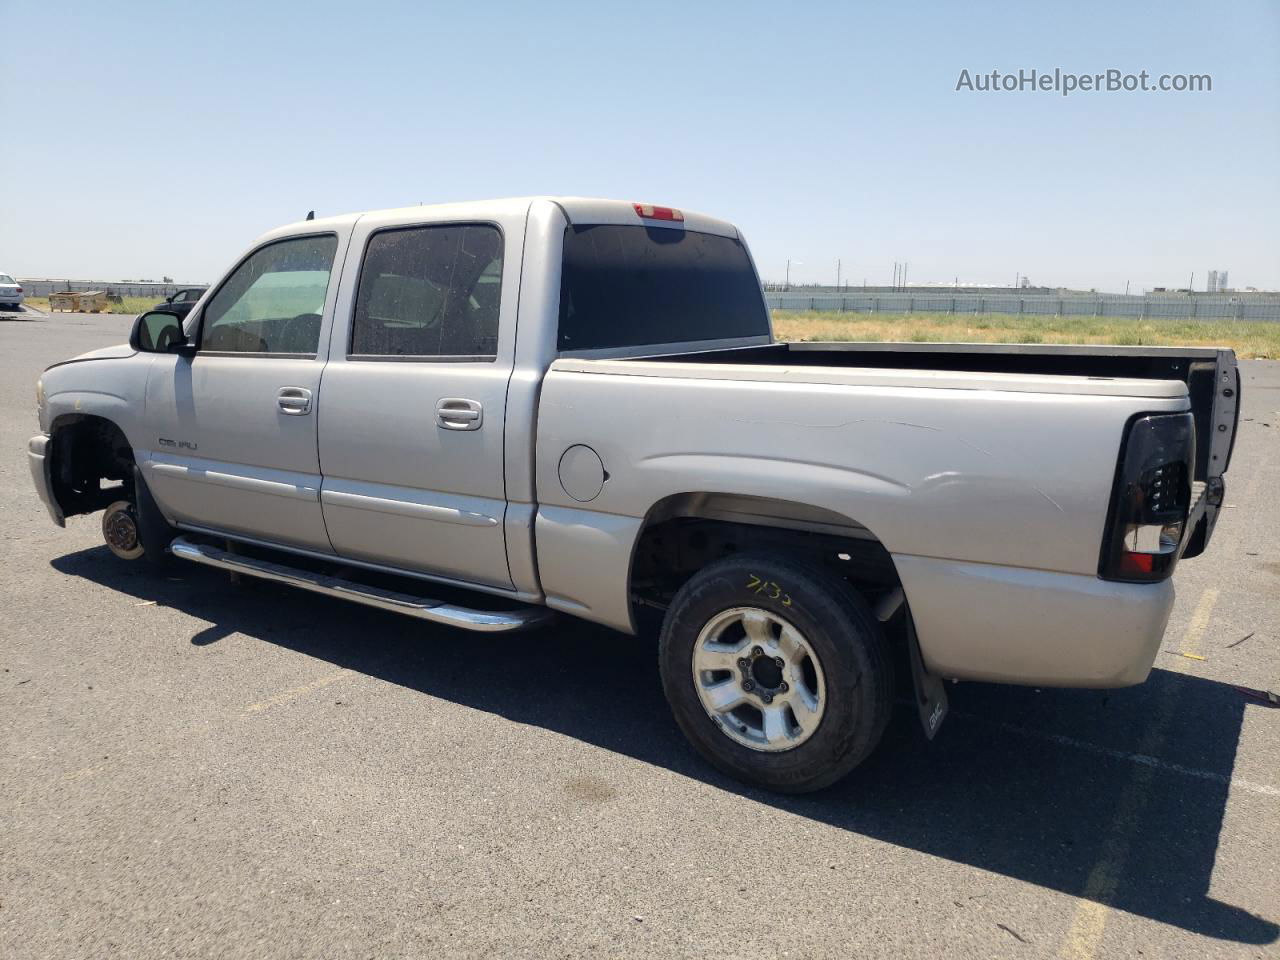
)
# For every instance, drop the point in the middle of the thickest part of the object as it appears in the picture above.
(158, 332)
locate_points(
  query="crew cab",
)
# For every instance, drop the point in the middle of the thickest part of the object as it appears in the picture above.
(571, 406)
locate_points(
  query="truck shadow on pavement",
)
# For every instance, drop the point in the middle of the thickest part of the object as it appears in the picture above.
(1040, 786)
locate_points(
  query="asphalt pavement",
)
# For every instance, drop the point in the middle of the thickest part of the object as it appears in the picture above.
(190, 768)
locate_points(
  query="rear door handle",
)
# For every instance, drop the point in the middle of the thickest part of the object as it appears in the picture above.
(295, 401)
(455, 413)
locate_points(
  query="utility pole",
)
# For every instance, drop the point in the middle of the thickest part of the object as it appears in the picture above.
(787, 285)
(1126, 288)
(1191, 284)
(837, 273)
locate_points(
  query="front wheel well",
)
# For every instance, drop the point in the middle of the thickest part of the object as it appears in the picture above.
(92, 463)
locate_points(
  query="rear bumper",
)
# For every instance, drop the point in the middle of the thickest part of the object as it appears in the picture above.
(41, 475)
(980, 621)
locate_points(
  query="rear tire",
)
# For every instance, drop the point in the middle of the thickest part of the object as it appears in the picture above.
(776, 671)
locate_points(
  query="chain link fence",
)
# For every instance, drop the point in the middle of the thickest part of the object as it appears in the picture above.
(118, 288)
(1261, 308)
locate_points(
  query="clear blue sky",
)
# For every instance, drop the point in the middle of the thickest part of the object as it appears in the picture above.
(161, 138)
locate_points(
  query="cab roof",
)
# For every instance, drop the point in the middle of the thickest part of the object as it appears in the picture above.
(578, 210)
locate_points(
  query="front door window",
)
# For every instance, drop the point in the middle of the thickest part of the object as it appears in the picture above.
(273, 301)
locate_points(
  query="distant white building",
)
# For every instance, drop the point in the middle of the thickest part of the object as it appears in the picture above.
(1217, 281)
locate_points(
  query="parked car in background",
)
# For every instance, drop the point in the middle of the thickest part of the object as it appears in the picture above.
(182, 301)
(10, 291)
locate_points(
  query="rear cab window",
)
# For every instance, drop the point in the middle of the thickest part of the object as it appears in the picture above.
(632, 286)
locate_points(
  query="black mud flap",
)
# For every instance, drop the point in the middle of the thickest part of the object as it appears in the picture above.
(154, 532)
(929, 690)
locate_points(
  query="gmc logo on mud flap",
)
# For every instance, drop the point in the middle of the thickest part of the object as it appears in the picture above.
(935, 717)
(178, 444)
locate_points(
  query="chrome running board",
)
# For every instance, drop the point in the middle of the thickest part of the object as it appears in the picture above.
(423, 608)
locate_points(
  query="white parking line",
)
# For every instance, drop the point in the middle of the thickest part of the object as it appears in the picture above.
(1147, 760)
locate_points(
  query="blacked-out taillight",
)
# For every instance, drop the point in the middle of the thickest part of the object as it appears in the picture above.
(1150, 500)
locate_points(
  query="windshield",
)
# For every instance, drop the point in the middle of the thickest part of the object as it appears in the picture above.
(626, 286)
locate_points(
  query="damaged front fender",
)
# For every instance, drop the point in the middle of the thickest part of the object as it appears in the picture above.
(39, 458)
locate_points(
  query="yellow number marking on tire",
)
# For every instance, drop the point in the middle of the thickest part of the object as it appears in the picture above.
(768, 588)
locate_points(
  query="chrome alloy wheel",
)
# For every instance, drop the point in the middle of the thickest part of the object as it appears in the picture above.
(759, 679)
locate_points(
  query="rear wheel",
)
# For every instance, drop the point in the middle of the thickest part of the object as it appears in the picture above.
(776, 671)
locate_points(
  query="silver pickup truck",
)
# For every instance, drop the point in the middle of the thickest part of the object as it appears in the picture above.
(572, 405)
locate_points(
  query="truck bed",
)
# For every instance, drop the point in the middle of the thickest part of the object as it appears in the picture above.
(989, 489)
(1201, 369)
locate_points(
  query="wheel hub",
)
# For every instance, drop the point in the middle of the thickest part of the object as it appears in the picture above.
(766, 671)
(759, 679)
(120, 530)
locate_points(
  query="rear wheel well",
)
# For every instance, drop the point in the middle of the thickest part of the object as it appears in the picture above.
(92, 463)
(684, 534)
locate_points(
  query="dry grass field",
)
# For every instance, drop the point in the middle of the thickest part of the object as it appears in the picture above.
(130, 305)
(1257, 340)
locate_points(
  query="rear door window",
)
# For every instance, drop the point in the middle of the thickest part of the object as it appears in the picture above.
(430, 292)
(624, 286)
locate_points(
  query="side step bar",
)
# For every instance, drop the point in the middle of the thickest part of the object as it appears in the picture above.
(423, 608)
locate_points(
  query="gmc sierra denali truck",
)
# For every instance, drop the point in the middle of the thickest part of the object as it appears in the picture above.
(579, 406)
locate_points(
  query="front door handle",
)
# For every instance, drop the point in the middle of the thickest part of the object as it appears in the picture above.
(295, 401)
(455, 413)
